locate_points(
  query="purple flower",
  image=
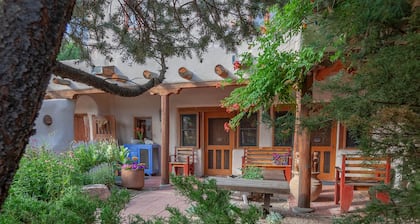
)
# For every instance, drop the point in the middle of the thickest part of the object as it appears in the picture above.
(133, 166)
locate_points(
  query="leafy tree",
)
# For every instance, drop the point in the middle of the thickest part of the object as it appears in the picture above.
(32, 32)
(377, 96)
(69, 51)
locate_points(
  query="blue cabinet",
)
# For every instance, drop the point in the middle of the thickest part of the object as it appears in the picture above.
(147, 154)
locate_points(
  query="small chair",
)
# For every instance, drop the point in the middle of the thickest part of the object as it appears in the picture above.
(184, 159)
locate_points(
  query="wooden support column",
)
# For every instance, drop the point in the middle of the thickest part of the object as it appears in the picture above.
(304, 148)
(164, 164)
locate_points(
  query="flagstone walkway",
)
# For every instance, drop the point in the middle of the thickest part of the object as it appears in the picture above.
(153, 199)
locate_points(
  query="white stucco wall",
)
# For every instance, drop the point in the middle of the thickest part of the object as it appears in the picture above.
(60, 133)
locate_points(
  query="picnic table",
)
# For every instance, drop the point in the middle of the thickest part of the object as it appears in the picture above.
(266, 187)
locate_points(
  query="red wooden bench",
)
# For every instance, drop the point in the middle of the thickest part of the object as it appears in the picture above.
(360, 173)
(263, 157)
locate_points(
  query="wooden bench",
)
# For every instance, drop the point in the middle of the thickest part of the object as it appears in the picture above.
(360, 173)
(264, 158)
(266, 187)
(184, 159)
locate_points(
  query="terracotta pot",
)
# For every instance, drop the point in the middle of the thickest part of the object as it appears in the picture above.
(316, 186)
(132, 178)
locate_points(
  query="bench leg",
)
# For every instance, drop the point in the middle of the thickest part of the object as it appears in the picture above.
(288, 174)
(266, 206)
(336, 193)
(346, 197)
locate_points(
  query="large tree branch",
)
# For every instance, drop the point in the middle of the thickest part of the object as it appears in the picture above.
(77, 75)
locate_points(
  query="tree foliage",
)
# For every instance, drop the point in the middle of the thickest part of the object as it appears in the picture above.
(31, 38)
(377, 96)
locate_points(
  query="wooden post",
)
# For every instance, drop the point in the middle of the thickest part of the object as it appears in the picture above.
(165, 140)
(304, 148)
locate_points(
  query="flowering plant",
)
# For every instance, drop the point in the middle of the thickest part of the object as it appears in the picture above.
(139, 133)
(133, 165)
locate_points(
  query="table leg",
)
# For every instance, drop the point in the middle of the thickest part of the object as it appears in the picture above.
(266, 206)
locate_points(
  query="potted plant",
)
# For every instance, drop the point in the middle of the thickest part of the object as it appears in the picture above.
(132, 174)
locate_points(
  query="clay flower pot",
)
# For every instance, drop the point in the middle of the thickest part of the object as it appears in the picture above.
(132, 178)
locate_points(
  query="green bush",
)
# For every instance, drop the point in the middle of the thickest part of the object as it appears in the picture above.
(210, 204)
(43, 175)
(101, 174)
(47, 188)
(252, 172)
(88, 155)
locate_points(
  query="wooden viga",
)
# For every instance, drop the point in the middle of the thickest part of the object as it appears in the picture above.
(221, 71)
(149, 75)
(185, 73)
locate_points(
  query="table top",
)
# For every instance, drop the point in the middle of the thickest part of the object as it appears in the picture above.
(248, 185)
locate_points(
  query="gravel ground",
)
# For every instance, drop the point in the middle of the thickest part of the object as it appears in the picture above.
(280, 205)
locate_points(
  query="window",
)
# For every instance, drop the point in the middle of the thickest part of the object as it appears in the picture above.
(349, 139)
(352, 139)
(144, 126)
(189, 130)
(283, 128)
(248, 131)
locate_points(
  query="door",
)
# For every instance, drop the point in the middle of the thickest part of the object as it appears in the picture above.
(323, 146)
(218, 144)
(81, 127)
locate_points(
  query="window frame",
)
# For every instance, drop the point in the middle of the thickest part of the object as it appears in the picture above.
(197, 128)
(343, 139)
(280, 108)
(257, 129)
(137, 120)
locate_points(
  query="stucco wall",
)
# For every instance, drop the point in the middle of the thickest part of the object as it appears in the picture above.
(59, 134)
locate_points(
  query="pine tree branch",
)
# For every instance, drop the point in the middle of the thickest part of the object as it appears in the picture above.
(77, 75)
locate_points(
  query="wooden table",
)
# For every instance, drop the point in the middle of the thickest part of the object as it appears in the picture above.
(266, 187)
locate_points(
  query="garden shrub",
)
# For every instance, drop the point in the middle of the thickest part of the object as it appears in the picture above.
(43, 175)
(101, 174)
(210, 204)
(252, 172)
(47, 188)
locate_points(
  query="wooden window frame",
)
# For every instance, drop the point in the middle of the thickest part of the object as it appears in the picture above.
(343, 139)
(238, 133)
(197, 122)
(273, 110)
(137, 120)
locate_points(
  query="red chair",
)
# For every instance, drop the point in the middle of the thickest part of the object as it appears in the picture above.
(182, 159)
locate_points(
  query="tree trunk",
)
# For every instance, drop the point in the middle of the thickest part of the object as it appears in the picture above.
(30, 38)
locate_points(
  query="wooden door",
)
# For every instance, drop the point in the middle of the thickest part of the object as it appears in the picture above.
(323, 147)
(81, 127)
(218, 145)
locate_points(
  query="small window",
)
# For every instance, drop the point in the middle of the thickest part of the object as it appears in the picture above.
(143, 127)
(352, 139)
(189, 129)
(348, 139)
(283, 128)
(248, 131)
